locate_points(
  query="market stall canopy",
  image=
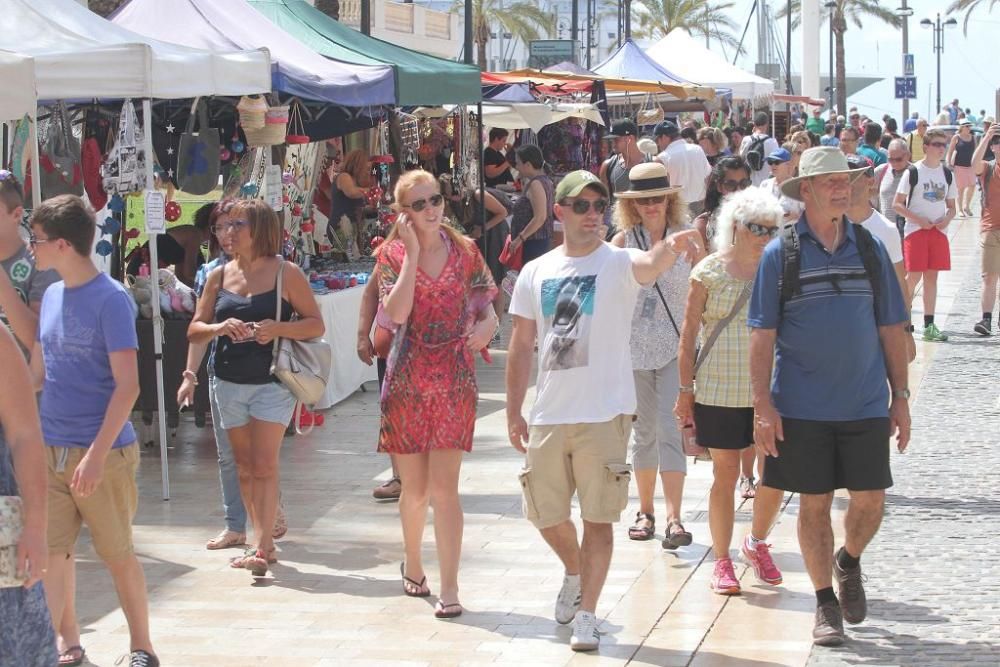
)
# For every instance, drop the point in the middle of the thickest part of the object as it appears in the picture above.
(631, 62)
(18, 75)
(799, 99)
(556, 83)
(420, 78)
(234, 24)
(537, 115)
(176, 71)
(688, 58)
(569, 66)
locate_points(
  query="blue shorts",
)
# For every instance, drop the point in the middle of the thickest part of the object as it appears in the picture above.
(238, 403)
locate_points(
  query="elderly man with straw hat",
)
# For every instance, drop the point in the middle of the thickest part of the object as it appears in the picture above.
(828, 313)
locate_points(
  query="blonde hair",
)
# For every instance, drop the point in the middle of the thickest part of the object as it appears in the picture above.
(355, 165)
(750, 205)
(795, 138)
(407, 182)
(265, 228)
(715, 135)
(626, 214)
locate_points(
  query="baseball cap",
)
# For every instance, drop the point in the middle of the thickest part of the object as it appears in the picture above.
(576, 182)
(780, 155)
(665, 128)
(624, 128)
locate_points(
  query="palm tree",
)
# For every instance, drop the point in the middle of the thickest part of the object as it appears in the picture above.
(522, 20)
(846, 10)
(656, 18)
(104, 7)
(329, 7)
(967, 6)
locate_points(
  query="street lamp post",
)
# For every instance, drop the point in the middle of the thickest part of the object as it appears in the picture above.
(905, 13)
(832, 5)
(938, 26)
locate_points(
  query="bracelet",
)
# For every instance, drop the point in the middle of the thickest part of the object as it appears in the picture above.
(190, 375)
(686, 389)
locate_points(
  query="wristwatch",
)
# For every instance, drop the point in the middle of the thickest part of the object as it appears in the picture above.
(901, 393)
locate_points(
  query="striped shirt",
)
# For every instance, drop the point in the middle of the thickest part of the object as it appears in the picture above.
(724, 378)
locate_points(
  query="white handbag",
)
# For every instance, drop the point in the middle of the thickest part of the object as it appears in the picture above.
(11, 525)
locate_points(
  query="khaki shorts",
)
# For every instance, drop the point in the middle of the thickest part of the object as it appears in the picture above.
(108, 512)
(586, 458)
(990, 243)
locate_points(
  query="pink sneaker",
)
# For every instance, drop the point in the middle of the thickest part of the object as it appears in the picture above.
(759, 559)
(724, 580)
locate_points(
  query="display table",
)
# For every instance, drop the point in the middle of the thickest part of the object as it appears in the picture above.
(340, 311)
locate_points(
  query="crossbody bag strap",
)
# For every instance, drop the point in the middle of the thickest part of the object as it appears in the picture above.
(277, 298)
(723, 323)
(656, 284)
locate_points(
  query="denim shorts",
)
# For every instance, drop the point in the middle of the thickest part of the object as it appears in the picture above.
(238, 403)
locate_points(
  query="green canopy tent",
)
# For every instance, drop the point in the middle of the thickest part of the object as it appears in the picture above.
(421, 79)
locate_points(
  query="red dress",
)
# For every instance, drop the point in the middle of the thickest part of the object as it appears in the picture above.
(429, 394)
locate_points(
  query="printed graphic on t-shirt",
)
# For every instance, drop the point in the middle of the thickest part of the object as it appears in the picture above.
(568, 308)
(934, 192)
(19, 273)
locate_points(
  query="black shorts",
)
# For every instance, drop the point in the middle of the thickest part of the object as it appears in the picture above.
(723, 428)
(820, 457)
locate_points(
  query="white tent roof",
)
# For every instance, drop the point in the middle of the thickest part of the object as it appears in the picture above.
(80, 55)
(686, 57)
(526, 115)
(18, 75)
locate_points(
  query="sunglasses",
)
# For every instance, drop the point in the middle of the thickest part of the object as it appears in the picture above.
(938, 144)
(732, 186)
(758, 229)
(7, 176)
(421, 204)
(897, 159)
(583, 206)
(231, 226)
(774, 163)
(650, 201)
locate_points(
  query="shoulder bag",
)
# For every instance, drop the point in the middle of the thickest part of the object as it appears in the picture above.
(198, 153)
(11, 525)
(303, 366)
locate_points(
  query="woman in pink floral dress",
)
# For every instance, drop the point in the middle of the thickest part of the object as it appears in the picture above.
(436, 297)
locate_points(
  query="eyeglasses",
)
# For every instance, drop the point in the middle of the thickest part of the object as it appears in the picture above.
(897, 159)
(231, 226)
(650, 201)
(729, 185)
(421, 204)
(758, 229)
(34, 240)
(583, 206)
(938, 144)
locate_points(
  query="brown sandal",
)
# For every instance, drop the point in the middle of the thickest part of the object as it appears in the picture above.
(421, 586)
(643, 528)
(442, 610)
(676, 536)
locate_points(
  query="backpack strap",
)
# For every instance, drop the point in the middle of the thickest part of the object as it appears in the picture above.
(948, 175)
(984, 196)
(791, 262)
(914, 178)
(871, 261)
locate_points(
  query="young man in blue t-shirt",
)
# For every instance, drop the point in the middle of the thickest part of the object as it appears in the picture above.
(85, 364)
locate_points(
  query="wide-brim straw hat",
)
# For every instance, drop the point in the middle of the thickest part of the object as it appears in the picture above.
(818, 161)
(648, 179)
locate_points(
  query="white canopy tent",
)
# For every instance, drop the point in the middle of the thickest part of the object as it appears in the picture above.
(19, 100)
(523, 115)
(688, 58)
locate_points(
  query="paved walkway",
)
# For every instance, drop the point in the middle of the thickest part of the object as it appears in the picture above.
(335, 599)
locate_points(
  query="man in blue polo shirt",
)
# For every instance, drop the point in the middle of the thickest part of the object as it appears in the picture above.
(825, 418)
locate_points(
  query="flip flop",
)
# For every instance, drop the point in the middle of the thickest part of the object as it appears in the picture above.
(66, 658)
(422, 592)
(453, 610)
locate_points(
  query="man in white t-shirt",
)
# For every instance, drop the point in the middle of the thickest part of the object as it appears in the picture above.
(759, 144)
(928, 207)
(578, 301)
(687, 166)
(861, 213)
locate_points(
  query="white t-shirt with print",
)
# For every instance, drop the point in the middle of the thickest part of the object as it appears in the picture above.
(887, 233)
(583, 308)
(930, 197)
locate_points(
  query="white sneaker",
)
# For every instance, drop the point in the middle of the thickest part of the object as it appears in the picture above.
(569, 599)
(585, 634)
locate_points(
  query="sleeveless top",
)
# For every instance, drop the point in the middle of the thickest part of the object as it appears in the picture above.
(341, 205)
(523, 213)
(654, 340)
(246, 362)
(963, 152)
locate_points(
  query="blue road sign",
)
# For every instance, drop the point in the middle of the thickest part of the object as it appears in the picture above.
(908, 64)
(906, 87)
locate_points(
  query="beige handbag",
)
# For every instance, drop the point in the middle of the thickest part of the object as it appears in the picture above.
(303, 366)
(11, 525)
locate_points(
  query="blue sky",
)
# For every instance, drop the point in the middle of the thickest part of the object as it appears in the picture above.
(966, 72)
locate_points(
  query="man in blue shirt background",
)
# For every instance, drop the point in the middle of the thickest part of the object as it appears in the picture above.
(825, 420)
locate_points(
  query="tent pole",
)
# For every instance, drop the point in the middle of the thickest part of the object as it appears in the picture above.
(36, 170)
(481, 206)
(154, 272)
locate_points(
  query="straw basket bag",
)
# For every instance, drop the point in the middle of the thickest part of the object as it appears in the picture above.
(274, 129)
(252, 111)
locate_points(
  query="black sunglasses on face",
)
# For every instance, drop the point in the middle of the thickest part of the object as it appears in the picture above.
(650, 201)
(583, 206)
(421, 204)
(758, 229)
(732, 186)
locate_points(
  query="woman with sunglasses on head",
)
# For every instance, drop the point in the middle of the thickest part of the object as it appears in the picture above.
(531, 221)
(730, 174)
(648, 212)
(436, 295)
(715, 389)
(237, 312)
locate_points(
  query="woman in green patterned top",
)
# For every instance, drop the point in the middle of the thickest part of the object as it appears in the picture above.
(717, 400)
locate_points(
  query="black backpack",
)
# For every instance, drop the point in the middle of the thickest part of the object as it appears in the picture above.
(791, 260)
(915, 177)
(755, 152)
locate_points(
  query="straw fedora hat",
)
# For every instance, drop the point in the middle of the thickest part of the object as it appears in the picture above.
(818, 161)
(648, 179)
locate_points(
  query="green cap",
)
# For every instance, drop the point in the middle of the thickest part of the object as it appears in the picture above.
(574, 183)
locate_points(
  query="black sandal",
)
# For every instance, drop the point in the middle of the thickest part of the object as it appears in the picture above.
(422, 590)
(639, 532)
(676, 538)
(442, 610)
(66, 658)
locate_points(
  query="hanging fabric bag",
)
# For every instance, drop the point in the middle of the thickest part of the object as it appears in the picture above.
(198, 154)
(59, 156)
(124, 170)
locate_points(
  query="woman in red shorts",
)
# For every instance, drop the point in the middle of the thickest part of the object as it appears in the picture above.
(436, 295)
